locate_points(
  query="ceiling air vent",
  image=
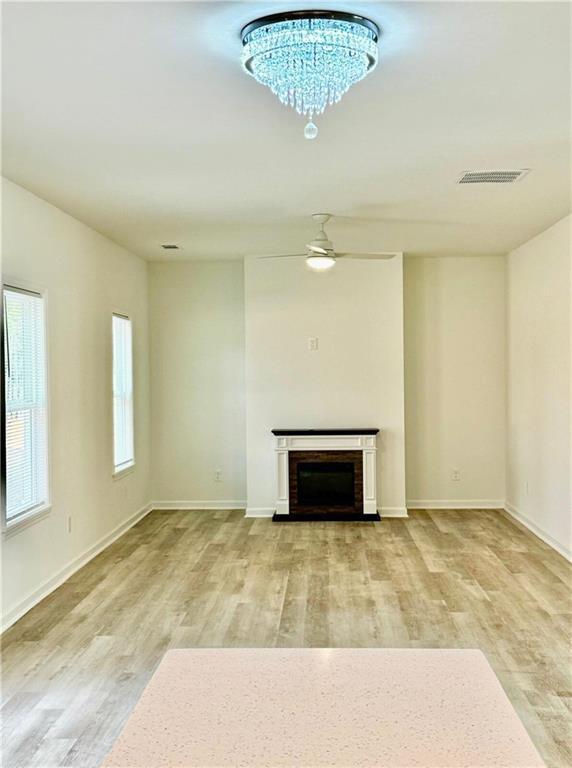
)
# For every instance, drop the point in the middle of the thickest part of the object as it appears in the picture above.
(170, 247)
(491, 177)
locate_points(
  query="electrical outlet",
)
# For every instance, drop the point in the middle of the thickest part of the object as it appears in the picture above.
(218, 475)
(69, 521)
(527, 486)
(313, 343)
(456, 475)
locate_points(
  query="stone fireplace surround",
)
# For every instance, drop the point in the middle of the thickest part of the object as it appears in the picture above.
(292, 445)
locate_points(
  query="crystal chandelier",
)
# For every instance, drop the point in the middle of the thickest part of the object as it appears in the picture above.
(309, 59)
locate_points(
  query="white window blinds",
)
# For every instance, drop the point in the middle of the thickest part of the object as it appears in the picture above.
(122, 393)
(25, 402)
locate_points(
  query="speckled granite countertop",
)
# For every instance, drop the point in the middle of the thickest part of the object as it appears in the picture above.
(398, 708)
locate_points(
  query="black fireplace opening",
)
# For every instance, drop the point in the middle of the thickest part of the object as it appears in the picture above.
(326, 483)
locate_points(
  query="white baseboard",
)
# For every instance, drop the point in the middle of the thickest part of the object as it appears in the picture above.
(537, 531)
(259, 511)
(393, 512)
(455, 504)
(51, 584)
(217, 504)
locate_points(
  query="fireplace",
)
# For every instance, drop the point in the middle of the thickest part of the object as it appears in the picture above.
(326, 474)
(325, 481)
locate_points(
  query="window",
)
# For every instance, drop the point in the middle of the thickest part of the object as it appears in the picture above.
(123, 452)
(25, 401)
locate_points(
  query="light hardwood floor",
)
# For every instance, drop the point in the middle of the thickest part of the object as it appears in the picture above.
(75, 665)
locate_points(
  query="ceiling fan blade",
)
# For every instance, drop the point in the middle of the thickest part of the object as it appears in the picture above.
(283, 256)
(395, 220)
(317, 249)
(372, 256)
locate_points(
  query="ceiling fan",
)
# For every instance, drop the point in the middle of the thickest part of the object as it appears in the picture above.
(320, 254)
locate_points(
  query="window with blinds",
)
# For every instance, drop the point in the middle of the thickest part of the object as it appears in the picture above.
(26, 438)
(123, 450)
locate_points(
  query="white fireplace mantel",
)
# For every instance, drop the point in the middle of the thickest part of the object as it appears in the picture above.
(329, 440)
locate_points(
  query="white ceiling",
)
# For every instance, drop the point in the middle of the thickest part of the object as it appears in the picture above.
(137, 119)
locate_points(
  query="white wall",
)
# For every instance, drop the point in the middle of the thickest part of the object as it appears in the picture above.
(86, 277)
(455, 381)
(197, 364)
(539, 399)
(355, 378)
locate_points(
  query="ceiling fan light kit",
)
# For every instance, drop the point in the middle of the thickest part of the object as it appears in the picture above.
(310, 59)
(320, 263)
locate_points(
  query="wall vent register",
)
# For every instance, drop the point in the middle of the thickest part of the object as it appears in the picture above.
(492, 177)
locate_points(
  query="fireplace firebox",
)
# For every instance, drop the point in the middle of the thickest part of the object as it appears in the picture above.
(325, 482)
(328, 483)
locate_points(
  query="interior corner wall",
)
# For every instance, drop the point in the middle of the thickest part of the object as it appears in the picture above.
(455, 381)
(86, 277)
(353, 379)
(539, 419)
(197, 383)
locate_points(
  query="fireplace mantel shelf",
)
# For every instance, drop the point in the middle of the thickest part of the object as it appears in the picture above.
(345, 431)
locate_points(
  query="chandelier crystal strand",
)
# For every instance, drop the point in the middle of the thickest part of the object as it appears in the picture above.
(310, 61)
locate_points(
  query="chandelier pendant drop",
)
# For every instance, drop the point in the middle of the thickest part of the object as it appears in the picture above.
(309, 59)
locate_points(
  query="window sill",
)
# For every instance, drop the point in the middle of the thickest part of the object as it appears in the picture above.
(24, 521)
(119, 473)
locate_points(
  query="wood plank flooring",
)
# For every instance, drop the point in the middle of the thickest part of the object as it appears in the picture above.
(74, 666)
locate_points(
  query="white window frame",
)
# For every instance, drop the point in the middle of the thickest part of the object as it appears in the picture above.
(118, 471)
(34, 514)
